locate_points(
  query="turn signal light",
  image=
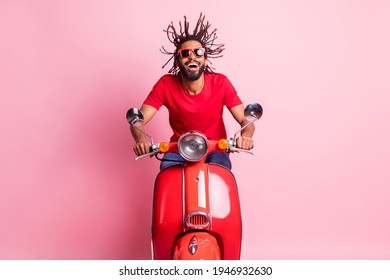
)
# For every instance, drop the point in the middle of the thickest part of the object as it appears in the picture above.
(223, 144)
(164, 147)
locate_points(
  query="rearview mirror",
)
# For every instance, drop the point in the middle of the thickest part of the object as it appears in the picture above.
(135, 117)
(253, 111)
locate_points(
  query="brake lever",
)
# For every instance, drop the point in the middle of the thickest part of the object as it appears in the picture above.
(238, 150)
(146, 155)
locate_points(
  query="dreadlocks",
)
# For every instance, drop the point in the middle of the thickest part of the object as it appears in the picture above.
(200, 33)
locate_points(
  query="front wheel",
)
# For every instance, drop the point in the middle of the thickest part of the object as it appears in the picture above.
(197, 246)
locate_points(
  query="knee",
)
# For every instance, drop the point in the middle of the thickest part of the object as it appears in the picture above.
(220, 158)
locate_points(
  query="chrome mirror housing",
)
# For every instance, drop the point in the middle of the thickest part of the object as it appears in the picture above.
(135, 117)
(253, 111)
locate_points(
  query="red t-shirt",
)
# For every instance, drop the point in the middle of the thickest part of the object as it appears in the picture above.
(201, 112)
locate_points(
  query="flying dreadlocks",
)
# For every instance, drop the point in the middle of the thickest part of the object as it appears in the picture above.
(201, 34)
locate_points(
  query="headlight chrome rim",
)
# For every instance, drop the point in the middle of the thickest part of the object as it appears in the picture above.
(193, 146)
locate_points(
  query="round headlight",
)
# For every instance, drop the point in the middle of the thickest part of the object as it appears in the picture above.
(193, 146)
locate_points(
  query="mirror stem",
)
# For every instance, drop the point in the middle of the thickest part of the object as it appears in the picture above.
(242, 128)
(150, 137)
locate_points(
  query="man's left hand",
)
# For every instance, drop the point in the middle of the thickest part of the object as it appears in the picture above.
(244, 142)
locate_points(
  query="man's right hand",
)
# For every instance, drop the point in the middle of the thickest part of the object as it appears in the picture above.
(142, 147)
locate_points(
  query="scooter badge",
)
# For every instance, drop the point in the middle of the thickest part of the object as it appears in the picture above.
(193, 245)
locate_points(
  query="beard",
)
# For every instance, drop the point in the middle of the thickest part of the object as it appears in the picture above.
(190, 75)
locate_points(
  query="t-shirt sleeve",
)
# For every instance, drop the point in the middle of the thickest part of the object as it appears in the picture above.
(231, 98)
(156, 96)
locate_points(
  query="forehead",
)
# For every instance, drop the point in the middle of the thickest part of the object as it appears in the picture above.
(191, 44)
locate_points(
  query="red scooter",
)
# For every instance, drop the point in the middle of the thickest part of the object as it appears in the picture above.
(196, 209)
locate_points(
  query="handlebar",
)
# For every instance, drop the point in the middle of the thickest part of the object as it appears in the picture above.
(222, 145)
(252, 113)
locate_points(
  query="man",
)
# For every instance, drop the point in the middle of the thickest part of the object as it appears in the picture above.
(193, 94)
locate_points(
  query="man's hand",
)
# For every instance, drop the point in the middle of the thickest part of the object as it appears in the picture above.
(142, 147)
(244, 142)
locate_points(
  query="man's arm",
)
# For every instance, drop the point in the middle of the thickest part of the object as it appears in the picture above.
(244, 141)
(142, 143)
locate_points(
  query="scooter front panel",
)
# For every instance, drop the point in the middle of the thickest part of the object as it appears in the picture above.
(225, 211)
(173, 201)
(167, 214)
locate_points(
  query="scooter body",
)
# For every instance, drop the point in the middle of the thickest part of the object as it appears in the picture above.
(196, 213)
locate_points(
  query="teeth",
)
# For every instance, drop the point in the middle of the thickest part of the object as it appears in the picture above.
(193, 64)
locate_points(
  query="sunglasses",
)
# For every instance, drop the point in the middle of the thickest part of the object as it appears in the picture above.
(198, 52)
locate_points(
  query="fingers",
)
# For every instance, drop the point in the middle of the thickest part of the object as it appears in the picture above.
(244, 142)
(141, 148)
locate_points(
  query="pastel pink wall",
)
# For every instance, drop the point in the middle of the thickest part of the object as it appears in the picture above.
(318, 186)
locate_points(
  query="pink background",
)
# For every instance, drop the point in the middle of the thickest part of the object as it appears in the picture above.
(318, 186)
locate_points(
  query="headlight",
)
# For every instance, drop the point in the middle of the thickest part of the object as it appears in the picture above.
(193, 146)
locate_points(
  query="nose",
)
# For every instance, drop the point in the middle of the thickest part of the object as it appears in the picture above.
(192, 54)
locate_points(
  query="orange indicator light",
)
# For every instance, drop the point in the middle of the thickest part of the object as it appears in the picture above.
(164, 147)
(223, 144)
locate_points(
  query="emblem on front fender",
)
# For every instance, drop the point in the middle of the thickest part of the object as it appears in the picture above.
(193, 245)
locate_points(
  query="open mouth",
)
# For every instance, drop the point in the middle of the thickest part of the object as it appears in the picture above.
(193, 65)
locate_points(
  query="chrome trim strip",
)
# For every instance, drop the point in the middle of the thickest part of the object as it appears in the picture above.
(183, 196)
(209, 188)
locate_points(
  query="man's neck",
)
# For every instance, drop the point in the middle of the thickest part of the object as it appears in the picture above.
(192, 87)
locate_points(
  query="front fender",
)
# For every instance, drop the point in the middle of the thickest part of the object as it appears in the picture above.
(197, 245)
